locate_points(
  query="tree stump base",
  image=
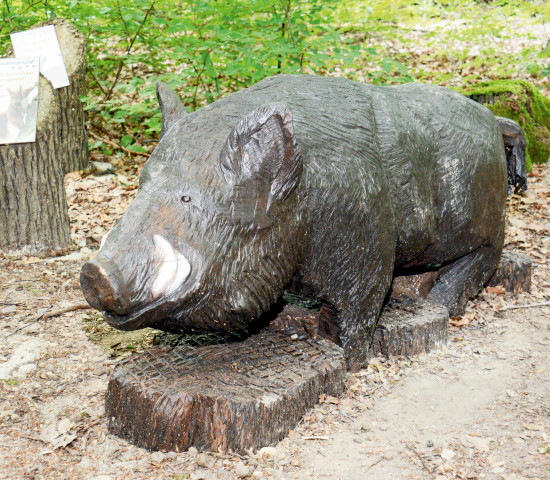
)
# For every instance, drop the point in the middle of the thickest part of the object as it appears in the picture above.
(513, 272)
(409, 327)
(229, 397)
(33, 207)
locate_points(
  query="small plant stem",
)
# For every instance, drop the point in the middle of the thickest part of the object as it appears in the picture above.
(121, 64)
(97, 82)
(527, 305)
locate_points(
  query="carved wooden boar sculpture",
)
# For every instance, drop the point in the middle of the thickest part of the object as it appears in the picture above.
(339, 182)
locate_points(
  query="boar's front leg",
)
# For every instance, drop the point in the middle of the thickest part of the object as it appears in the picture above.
(465, 277)
(356, 330)
(352, 271)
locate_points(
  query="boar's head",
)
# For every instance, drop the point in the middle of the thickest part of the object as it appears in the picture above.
(212, 235)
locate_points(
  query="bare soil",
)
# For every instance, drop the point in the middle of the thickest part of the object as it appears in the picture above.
(477, 409)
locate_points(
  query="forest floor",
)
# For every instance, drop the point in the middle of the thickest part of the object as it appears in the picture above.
(478, 408)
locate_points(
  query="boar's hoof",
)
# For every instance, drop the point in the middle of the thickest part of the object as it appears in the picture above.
(102, 286)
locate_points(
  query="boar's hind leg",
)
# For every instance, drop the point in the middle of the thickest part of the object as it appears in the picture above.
(464, 278)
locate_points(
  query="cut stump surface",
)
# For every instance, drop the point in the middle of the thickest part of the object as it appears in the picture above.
(229, 397)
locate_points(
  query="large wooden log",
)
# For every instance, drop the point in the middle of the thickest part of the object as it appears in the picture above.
(409, 327)
(513, 273)
(229, 397)
(33, 207)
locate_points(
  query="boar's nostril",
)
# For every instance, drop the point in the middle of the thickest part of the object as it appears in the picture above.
(102, 286)
(173, 269)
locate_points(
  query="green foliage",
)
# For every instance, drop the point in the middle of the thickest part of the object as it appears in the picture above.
(205, 49)
(11, 381)
(455, 42)
(523, 103)
(17, 15)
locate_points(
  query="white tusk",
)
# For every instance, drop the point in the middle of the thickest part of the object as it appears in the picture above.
(104, 238)
(173, 270)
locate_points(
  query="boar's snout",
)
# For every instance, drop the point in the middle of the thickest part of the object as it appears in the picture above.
(107, 287)
(103, 286)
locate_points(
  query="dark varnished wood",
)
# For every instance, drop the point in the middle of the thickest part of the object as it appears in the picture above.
(513, 272)
(228, 397)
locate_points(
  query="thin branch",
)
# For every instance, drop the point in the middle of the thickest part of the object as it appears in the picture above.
(528, 305)
(412, 449)
(53, 313)
(90, 71)
(128, 35)
(375, 463)
(121, 64)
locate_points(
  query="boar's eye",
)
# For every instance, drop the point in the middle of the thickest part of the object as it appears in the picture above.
(185, 199)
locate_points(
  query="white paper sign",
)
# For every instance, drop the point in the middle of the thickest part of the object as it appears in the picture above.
(18, 99)
(42, 42)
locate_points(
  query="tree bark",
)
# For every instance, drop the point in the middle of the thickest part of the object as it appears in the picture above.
(74, 136)
(73, 133)
(33, 207)
(513, 273)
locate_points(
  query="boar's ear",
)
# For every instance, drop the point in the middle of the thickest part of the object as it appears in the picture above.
(171, 107)
(261, 158)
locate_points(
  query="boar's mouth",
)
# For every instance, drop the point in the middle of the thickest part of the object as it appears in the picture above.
(151, 313)
(171, 279)
(141, 318)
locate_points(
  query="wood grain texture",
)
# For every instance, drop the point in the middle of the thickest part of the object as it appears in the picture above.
(513, 272)
(229, 397)
(410, 327)
(414, 286)
(327, 179)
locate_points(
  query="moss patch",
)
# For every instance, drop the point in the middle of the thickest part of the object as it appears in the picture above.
(520, 101)
(117, 343)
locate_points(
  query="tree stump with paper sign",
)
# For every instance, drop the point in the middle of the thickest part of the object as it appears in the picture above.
(33, 206)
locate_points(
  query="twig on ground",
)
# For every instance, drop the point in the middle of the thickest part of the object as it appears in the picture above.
(375, 463)
(35, 439)
(412, 449)
(527, 305)
(226, 456)
(315, 437)
(52, 313)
